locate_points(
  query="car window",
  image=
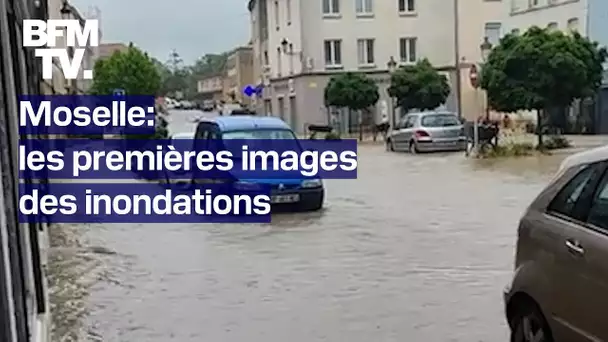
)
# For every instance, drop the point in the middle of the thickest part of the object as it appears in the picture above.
(440, 120)
(598, 213)
(411, 122)
(565, 202)
(403, 122)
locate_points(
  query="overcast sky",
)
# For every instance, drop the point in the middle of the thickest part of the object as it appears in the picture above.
(192, 27)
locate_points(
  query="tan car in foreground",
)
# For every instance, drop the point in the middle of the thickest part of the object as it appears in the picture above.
(559, 290)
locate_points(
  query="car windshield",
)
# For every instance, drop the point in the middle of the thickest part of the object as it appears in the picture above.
(440, 120)
(254, 137)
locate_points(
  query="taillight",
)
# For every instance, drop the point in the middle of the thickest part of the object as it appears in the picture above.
(421, 134)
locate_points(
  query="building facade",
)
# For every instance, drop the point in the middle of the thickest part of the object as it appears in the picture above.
(300, 44)
(589, 18)
(106, 50)
(212, 88)
(239, 74)
(488, 21)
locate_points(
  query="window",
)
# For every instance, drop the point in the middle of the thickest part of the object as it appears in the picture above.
(407, 122)
(288, 9)
(407, 50)
(333, 52)
(493, 32)
(533, 3)
(331, 6)
(552, 26)
(598, 213)
(276, 14)
(279, 62)
(364, 6)
(565, 203)
(266, 59)
(406, 6)
(365, 51)
(573, 24)
(440, 120)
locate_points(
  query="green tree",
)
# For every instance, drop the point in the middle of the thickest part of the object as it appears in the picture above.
(136, 73)
(540, 70)
(354, 91)
(131, 70)
(419, 86)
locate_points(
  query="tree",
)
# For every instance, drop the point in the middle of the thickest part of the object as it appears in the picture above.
(354, 91)
(136, 73)
(540, 70)
(131, 70)
(419, 86)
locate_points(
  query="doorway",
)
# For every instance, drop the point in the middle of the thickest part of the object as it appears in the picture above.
(281, 101)
(293, 114)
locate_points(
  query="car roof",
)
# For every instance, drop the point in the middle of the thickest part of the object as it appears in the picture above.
(586, 157)
(246, 122)
(183, 135)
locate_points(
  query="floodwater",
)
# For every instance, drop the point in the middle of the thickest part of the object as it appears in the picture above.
(418, 248)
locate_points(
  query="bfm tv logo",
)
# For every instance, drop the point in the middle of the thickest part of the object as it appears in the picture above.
(40, 33)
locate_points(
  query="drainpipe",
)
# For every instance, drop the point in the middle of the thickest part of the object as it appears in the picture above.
(457, 57)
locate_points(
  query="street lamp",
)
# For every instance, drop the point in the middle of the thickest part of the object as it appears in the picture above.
(486, 48)
(392, 66)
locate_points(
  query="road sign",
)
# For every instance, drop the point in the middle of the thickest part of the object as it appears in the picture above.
(250, 90)
(474, 76)
(119, 92)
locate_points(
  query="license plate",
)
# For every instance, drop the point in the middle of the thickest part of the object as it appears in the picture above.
(285, 199)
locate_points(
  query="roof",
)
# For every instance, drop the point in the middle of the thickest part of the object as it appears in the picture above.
(590, 156)
(246, 122)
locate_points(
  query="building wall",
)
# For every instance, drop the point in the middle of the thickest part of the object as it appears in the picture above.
(108, 49)
(472, 30)
(598, 21)
(522, 15)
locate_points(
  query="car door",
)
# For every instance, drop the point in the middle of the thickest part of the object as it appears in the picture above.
(404, 133)
(592, 247)
(396, 134)
(565, 219)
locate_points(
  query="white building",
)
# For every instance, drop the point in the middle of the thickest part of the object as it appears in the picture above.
(299, 44)
(62, 9)
(588, 17)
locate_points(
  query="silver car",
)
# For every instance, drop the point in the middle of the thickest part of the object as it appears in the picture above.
(427, 132)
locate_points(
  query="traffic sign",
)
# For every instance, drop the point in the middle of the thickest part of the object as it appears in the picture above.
(250, 90)
(474, 76)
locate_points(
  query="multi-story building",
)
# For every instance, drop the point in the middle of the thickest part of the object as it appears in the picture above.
(107, 49)
(588, 17)
(239, 74)
(476, 20)
(300, 44)
(212, 87)
(62, 9)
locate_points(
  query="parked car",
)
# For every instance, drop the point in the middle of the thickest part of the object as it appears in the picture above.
(427, 132)
(559, 289)
(306, 194)
(180, 179)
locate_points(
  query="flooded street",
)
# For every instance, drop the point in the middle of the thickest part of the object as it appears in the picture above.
(418, 248)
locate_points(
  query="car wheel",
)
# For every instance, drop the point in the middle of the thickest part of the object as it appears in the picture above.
(529, 325)
(413, 147)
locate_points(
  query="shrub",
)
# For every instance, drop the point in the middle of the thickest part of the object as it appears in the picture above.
(332, 136)
(556, 142)
(508, 150)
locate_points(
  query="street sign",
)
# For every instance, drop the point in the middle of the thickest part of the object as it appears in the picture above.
(474, 76)
(250, 90)
(119, 92)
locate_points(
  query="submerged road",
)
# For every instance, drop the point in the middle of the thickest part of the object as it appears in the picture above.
(417, 249)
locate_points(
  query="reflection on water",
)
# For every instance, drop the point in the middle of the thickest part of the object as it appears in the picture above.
(418, 248)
